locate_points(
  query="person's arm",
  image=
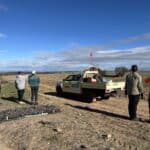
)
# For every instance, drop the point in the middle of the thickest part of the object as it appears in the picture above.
(16, 84)
(126, 85)
(140, 87)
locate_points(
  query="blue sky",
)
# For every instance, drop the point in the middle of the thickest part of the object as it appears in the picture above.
(55, 35)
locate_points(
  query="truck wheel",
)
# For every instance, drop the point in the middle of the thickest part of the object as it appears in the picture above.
(105, 96)
(59, 91)
(90, 97)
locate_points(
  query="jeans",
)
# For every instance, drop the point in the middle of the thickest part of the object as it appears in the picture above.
(20, 95)
(132, 106)
(34, 93)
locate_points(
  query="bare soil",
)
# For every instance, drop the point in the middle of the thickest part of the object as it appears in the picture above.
(92, 126)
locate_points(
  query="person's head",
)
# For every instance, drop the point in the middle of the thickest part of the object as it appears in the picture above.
(33, 72)
(19, 72)
(134, 68)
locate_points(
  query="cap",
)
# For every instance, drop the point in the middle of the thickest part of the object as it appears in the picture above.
(33, 72)
(134, 68)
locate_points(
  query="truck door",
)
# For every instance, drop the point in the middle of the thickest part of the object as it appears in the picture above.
(72, 84)
(76, 84)
(67, 83)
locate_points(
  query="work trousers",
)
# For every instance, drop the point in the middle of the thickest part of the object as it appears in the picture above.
(132, 106)
(34, 93)
(20, 95)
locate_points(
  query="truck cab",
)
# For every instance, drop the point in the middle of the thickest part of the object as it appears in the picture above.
(72, 84)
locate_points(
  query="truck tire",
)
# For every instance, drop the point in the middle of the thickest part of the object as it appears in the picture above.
(105, 96)
(59, 91)
(89, 97)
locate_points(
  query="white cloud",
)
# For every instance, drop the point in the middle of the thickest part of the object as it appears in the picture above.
(3, 8)
(2, 35)
(2, 53)
(78, 59)
(145, 36)
(73, 44)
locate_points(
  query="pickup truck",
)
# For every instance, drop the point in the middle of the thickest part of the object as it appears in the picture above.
(88, 86)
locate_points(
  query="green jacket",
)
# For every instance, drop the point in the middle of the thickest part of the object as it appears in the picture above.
(134, 84)
(33, 80)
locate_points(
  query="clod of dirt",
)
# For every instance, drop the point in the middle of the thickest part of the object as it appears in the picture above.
(58, 130)
(83, 147)
(45, 122)
(106, 136)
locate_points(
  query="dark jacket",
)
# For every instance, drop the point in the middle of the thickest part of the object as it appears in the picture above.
(33, 80)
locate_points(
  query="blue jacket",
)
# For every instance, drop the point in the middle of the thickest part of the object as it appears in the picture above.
(33, 80)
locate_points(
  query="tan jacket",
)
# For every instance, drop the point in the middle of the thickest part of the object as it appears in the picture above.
(134, 84)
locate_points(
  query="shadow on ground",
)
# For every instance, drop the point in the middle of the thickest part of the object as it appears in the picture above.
(73, 97)
(14, 99)
(51, 93)
(110, 114)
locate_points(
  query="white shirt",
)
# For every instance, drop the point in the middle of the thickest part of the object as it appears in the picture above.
(20, 81)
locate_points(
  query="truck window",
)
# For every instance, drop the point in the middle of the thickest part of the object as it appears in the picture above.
(73, 78)
(69, 78)
(77, 77)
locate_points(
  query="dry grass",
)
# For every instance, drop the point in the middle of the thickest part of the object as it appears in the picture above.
(79, 125)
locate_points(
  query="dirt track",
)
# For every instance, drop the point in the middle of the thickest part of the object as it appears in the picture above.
(100, 125)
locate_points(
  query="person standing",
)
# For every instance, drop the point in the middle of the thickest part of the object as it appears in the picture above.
(20, 86)
(34, 82)
(134, 89)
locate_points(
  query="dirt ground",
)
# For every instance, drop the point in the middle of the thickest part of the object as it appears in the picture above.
(102, 125)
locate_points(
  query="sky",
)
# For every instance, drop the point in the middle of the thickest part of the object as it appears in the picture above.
(62, 35)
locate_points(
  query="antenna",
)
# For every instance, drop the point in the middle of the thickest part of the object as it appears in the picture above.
(91, 58)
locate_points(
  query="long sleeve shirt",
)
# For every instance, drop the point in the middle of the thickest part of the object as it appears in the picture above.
(134, 84)
(33, 80)
(20, 82)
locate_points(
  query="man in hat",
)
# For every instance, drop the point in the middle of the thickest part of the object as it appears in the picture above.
(34, 82)
(134, 89)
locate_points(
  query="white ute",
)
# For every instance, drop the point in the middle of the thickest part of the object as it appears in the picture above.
(89, 85)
